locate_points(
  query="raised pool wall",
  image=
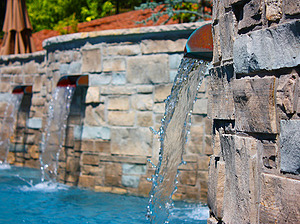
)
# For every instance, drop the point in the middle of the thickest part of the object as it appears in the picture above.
(254, 101)
(108, 139)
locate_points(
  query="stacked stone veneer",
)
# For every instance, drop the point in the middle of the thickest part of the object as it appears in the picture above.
(108, 139)
(255, 106)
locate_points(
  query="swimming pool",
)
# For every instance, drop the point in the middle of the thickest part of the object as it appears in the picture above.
(46, 203)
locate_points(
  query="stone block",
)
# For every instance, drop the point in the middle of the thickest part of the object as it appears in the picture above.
(287, 93)
(114, 65)
(142, 102)
(100, 79)
(195, 143)
(64, 69)
(113, 174)
(91, 60)
(118, 103)
(12, 70)
(220, 99)
(86, 181)
(102, 146)
(87, 132)
(162, 46)
(75, 68)
(31, 68)
(254, 103)
(91, 170)
(200, 106)
(130, 180)
(118, 78)
(131, 141)
(217, 53)
(273, 9)
(161, 92)
(290, 146)
(145, 89)
(227, 33)
(95, 115)
(145, 119)
(122, 50)
(124, 159)
(216, 182)
(279, 202)
(93, 95)
(148, 69)
(34, 123)
(187, 177)
(268, 49)
(133, 169)
(117, 90)
(174, 61)
(248, 14)
(90, 159)
(159, 108)
(172, 74)
(37, 84)
(291, 7)
(121, 118)
(241, 179)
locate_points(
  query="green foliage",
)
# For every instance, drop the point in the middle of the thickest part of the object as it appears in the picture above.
(183, 10)
(67, 25)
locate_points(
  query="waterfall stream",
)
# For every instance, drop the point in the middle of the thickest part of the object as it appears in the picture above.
(55, 130)
(8, 125)
(173, 136)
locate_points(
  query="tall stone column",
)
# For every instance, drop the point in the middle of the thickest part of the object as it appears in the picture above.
(255, 106)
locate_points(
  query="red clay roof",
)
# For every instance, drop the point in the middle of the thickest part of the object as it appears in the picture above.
(120, 21)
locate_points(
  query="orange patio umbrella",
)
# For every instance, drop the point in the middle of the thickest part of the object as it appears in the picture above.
(17, 29)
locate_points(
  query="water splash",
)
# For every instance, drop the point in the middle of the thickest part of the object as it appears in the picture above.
(55, 131)
(173, 136)
(8, 125)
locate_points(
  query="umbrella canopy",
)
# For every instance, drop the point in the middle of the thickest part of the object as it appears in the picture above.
(17, 29)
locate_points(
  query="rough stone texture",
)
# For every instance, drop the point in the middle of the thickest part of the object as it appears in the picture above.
(162, 46)
(122, 50)
(115, 65)
(290, 146)
(162, 92)
(91, 132)
(118, 103)
(34, 123)
(254, 100)
(241, 179)
(93, 95)
(91, 60)
(220, 102)
(121, 118)
(291, 7)
(142, 102)
(273, 9)
(287, 93)
(279, 201)
(274, 48)
(131, 141)
(254, 103)
(147, 69)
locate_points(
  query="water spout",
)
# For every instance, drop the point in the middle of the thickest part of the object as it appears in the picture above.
(200, 44)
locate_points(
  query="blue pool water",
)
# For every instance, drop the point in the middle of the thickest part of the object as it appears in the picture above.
(24, 200)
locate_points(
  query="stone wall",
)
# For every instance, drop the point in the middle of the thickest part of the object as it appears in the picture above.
(254, 103)
(108, 140)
